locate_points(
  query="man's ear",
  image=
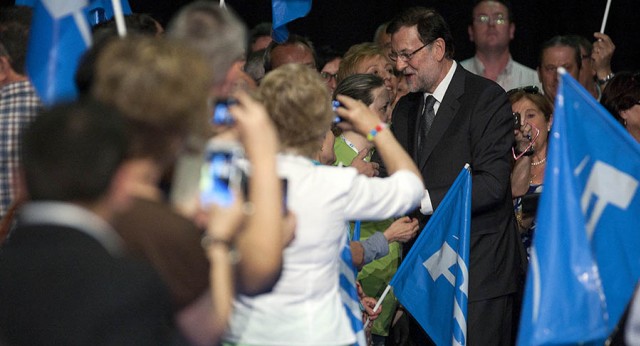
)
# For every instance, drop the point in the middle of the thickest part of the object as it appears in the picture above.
(440, 48)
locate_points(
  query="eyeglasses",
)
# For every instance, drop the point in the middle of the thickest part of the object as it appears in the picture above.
(328, 76)
(405, 57)
(486, 19)
(529, 89)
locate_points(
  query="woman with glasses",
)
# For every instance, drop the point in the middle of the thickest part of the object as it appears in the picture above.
(621, 98)
(533, 115)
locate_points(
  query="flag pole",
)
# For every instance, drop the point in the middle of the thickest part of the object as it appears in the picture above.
(378, 303)
(606, 15)
(119, 16)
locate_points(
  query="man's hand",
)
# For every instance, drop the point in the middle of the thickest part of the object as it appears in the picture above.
(402, 230)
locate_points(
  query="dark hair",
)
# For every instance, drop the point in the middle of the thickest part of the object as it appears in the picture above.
(293, 39)
(562, 41)
(14, 38)
(254, 66)
(582, 42)
(505, 3)
(359, 87)
(534, 95)
(137, 23)
(72, 151)
(622, 93)
(430, 24)
(326, 54)
(260, 30)
(16, 14)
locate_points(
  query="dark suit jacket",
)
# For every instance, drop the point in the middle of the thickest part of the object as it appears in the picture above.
(59, 286)
(473, 125)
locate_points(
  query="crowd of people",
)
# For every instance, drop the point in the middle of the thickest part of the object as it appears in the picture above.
(344, 157)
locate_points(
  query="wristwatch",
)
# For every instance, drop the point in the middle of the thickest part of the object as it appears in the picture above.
(605, 79)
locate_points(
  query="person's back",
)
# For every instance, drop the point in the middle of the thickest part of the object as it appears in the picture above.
(64, 277)
(61, 286)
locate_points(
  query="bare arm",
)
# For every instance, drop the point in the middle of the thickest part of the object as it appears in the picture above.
(363, 120)
(522, 167)
(260, 244)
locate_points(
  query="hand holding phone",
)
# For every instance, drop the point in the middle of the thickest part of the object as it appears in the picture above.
(221, 114)
(220, 173)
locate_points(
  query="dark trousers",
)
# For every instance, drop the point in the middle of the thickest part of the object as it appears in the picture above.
(489, 322)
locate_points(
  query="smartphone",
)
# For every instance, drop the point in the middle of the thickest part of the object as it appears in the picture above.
(284, 184)
(221, 115)
(221, 174)
(516, 121)
(335, 104)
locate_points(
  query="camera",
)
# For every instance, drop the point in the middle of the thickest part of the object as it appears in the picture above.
(221, 173)
(335, 104)
(516, 121)
(221, 115)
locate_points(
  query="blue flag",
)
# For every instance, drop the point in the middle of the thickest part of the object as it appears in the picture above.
(432, 282)
(285, 11)
(99, 11)
(585, 263)
(349, 292)
(60, 34)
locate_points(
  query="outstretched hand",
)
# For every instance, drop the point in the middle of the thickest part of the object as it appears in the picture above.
(370, 169)
(402, 230)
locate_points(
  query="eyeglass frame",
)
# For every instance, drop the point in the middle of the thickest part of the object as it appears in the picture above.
(406, 57)
(487, 19)
(528, 89)
(328, 76)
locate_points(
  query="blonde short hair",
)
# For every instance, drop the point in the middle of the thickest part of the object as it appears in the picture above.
(161, 86)
(355, 55)
(297, 100)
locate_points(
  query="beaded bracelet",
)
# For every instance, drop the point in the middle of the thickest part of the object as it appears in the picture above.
(372, 134)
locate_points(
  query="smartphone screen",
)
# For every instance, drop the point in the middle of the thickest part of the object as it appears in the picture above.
(220, 174)
(221, 115)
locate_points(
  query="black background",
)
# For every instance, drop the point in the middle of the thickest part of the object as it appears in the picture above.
(341, 23)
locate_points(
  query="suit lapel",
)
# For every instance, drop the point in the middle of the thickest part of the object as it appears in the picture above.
(446, 112)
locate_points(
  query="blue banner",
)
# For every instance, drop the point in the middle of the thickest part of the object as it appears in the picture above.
(432, 282)
(349, 292)
(60, 34)
(285, 11)
(585, 261)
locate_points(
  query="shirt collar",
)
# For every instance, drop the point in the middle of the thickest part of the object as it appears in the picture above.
(76, 217)
(441, 89)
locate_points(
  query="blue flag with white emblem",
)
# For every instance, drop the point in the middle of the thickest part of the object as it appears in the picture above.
(60, 34)
(432, 282)
(585, 261)
(285, 11)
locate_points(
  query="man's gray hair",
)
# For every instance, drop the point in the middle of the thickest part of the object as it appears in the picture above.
(215, 32)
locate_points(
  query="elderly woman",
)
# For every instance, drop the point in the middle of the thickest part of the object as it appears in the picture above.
(305, 306)
(369, 58)
(349, 146)
(621, 98)
(535, 114)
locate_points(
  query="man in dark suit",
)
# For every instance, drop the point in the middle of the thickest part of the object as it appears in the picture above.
(449, 118)
(63, 276)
